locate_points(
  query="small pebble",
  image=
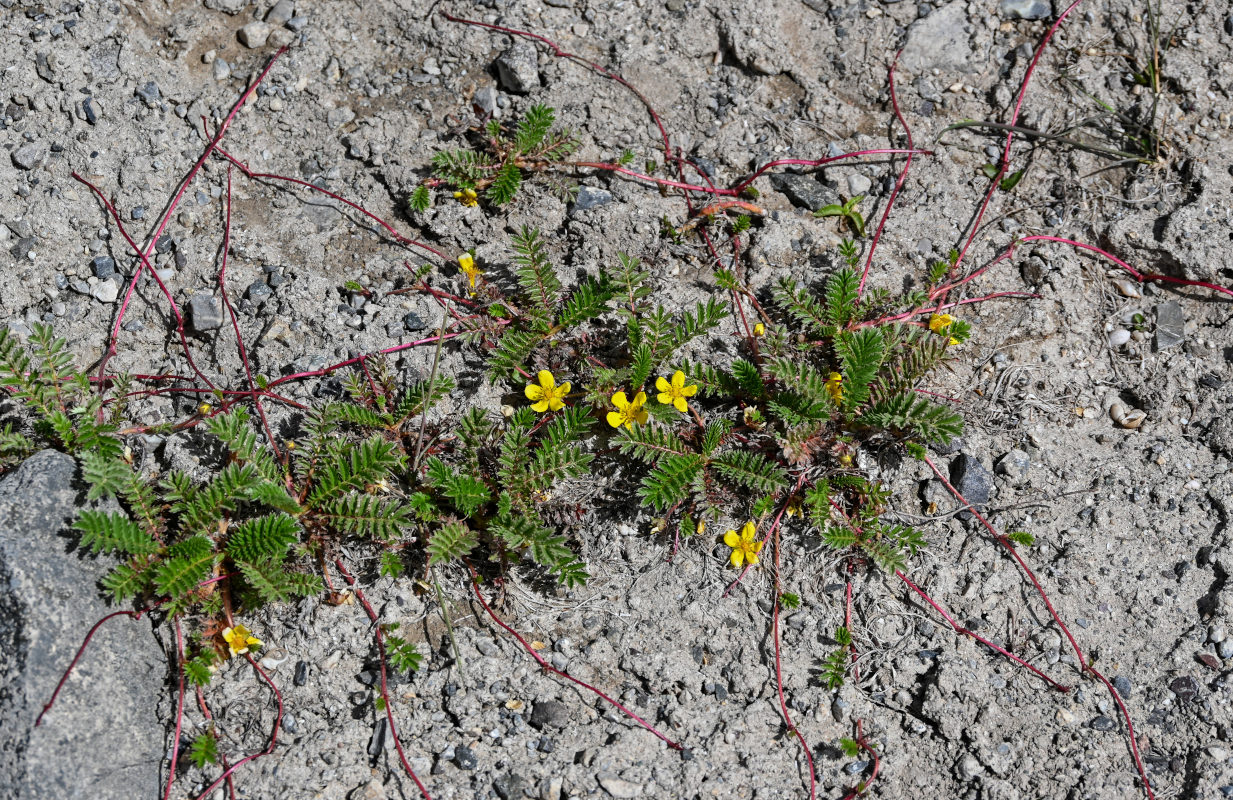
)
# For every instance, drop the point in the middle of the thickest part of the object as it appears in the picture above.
(254, 34)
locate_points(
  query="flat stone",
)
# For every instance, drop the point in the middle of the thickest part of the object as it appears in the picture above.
(1025, 9)
(590, 197)
(518, 68)
(204, 313)
(29, 156)
(550, 714)
(619, 787)
(258, 292)
(107, 291)
(222, 70)
(337, 117)
(1170, 325)
(280, 37)
(1186, 688)
(21, 250)
(858, 185)
(49, 598)
(254, 34)
(485, 101)
(149, 94)
(281, 12)
(939, 41)
(1014, 466)
(91, 110)
(803, 191)
(972, 481)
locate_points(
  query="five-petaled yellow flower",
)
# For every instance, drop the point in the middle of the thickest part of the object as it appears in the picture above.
(239, 639)
(628, 412)
(547, 395)
(466, 263)
(674, 393)
(834, 387)
(744, 548)
(940, 323)
(467, 197)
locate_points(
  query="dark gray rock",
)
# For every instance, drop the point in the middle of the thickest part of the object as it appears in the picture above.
(29, 156)
(104, 267)
(549, 714)
(23, 247)
(413, 322)
(972, 481)
(1170, 325)
(1102, 723)
(804, 191)
(1122, 684)
(1025, 9)
(204, 313)
(518, 68)
(258, 292)
(89, 109)
(465, 757)
(590, 197)
(508, 786)
(149, 94)
(1014, 467)
(103, 738)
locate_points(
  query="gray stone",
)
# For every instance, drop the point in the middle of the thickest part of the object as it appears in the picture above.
(22, 249)
(509, 786)
(1225, 649)
(858, 185)
(48, 600)
(939, 41)
(485, 101)
(972, 481)
(590, 197)
(1102, 723)
(105, 291)
(1122, 684)
(254, 34)
(282, 11)
(281, 37)
(518, 68)
(803, 191)
(149, 94)
(550, 714)
(222, 70)
(337, 117)
(29, 156)
(619, 787)
(204, 313)
(258, 292)
(90, 109)
(104, 267)
(1170, 325)
(1025, 9)
(413, 322)
(465, 757)
(1014, 466)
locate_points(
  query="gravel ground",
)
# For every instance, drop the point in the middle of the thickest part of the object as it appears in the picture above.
(1131, 522)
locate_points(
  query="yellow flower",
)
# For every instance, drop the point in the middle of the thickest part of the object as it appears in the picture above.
(701, 527)
(627, 412)
(940, 322)
(834, 387)
(759, 329)
(205, 408)
(547, 395)
(467, 197)
(953, 341)
(674, 393)
(793, 508)
(744, 548)
(466, 262)
(239, 639)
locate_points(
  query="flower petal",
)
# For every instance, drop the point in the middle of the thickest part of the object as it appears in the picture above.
(546, 380)
(615, 419)
(639, 400)
(737, 558)
(640, 416)
(732, 539)
(755, 548)
(689, 391)
(541, 406)
(555, 403)
(678, 379)
(747, 532)
(564, 389)
(753, 558)
(533, 392)
(662, 385)
(664, 397)
(620, 400)
(681, 405)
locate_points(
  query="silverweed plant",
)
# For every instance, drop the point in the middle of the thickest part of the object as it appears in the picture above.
(767, 431)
